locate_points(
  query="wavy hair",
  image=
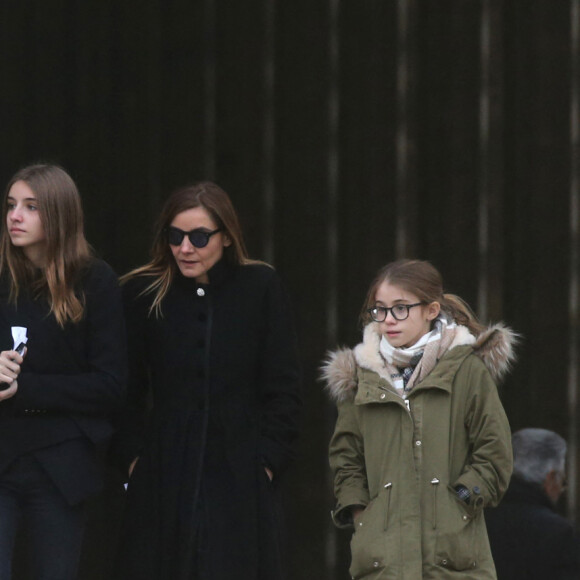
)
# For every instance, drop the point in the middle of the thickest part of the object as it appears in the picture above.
(67, 250)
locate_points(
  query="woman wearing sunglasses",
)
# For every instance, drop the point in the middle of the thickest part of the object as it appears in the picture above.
(212, 402)
(57, 394)
(422, 443)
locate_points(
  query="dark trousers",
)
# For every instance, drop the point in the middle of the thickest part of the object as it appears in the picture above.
(53, 529)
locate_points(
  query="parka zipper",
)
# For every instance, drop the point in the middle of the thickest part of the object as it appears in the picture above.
(388, 487)
(434, 484)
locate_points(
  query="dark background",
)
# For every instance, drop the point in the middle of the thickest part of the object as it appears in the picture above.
(348, 133)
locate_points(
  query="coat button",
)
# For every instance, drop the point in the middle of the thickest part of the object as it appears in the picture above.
(200, 292)
(465, 518)
(376, 564)
(443, 562)
(383, 396)
(418, 443)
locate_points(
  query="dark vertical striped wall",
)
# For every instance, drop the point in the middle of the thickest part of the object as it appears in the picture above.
(349, 133)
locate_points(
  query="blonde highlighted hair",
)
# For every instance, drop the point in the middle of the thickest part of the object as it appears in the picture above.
(67, 250)
(422, 279)
(162, 267)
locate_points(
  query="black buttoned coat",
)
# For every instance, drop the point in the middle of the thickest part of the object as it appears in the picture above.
(212, 400)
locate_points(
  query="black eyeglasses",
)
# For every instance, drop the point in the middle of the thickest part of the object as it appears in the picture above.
(198, 238)
(399, 311)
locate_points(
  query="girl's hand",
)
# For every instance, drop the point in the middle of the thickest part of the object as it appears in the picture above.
(356, 511)
(9, 392)
(10, 362)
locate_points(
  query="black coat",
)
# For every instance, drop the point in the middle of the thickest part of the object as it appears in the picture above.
(221, 368)
(529, 540)
(71, 381)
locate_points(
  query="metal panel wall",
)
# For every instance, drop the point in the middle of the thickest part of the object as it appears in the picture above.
(348, 133)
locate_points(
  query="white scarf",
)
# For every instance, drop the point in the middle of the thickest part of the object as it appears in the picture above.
(422, 356)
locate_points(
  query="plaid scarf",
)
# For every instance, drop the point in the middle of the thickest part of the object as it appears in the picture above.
(408, 366)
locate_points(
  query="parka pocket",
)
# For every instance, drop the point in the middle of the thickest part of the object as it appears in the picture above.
(366, 546)
(369, 544)
(458, 532)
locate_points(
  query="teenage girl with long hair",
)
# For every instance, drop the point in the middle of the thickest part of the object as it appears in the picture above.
(422, 443)
(212, 400)
(57, 392)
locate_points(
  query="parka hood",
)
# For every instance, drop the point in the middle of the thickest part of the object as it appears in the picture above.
(495, 346)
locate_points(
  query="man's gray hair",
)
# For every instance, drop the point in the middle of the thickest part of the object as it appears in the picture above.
(536, 453)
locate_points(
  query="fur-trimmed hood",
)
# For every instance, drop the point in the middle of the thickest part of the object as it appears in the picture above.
(495, 346)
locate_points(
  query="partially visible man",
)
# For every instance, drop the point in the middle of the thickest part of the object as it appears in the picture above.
(529, 540)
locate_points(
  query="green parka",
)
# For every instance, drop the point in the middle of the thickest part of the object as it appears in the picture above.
(402, 458)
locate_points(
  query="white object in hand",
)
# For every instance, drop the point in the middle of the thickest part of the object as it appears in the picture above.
(19, 335)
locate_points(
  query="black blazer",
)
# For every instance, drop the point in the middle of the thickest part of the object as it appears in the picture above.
(71, 382)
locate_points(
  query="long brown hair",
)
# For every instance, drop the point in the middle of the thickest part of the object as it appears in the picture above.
(67, 250)
(422, 279)
(162, 267)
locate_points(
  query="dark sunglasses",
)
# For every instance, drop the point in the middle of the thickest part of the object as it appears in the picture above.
(198, 238)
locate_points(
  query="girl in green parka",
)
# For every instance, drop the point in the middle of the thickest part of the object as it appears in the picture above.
(422, 443)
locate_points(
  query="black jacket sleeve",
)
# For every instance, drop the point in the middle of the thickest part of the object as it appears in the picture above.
(280, 397)
(128, 440)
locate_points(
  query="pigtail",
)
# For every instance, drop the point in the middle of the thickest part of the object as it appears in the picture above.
(461, 312)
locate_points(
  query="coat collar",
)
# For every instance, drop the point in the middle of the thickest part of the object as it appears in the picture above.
(521, 491)
(368, 356)
(495, 346)
(217, 275)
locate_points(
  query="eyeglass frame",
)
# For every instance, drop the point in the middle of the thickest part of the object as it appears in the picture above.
(198, 231)
(386, 310)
